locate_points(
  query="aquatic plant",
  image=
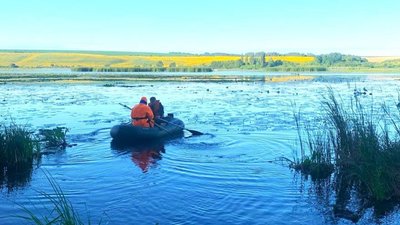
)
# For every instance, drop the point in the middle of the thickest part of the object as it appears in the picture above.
(54, 138)
(362, 146)
(318, 163)
(19, 150)
(61, 212)
(18, 146)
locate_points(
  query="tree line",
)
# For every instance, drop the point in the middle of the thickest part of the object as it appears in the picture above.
(262, 60)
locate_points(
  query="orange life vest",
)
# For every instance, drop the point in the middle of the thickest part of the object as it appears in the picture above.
(142, 116)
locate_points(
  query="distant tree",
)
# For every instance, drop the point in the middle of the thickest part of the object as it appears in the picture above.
(243, 58)
(231, 64)
(260, 59)
(159, 64)
(249, 58)
(13, 65)
(340, 60)
(172, 65)
(272, 63)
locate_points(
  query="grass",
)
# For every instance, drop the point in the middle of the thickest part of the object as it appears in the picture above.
(61, 211)
(21, 148)
(362, 146)
(19, 151)
(127, 60)
(18, 146)
(318, 163)
(378, 59)
(54, 138)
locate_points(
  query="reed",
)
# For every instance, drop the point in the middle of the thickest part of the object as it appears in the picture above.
(61, 211)
(362, 146)
(54, 138)
(18, 146)
(21, 148)
(317, 163)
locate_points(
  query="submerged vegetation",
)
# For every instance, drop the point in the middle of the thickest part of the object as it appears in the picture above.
(361, 145)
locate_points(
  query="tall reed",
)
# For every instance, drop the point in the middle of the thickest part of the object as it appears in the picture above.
(61, 210)
(18, 146)
(361, 146)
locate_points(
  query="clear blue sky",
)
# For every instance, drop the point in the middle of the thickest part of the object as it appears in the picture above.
(365, 27)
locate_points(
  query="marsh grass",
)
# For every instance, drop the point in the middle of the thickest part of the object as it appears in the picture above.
(21, 148)
(317, 163)
(54, 138)
(19, 151)
(18, 146)
(362, 146)
(60, 211)
(365, 149)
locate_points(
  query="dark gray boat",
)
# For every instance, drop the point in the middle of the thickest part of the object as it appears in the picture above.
(169, 128)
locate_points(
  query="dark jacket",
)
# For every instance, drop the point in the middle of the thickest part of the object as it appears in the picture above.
(157, 108)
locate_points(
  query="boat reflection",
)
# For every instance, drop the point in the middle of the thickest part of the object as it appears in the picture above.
(143, 155)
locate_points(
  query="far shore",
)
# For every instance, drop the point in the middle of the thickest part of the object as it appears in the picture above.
(65, 75)
(101, 77)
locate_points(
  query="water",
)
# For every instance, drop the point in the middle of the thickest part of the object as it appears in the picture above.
(223, 177)
(67, 71)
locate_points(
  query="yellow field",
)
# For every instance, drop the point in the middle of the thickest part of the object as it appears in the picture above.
(49, 59)
(287, 78)
(378, 59)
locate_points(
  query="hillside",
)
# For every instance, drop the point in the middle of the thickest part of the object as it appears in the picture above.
(32, 59)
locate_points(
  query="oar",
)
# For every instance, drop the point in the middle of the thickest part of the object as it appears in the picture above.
(194, 132)
(162, 128)
(125, 106)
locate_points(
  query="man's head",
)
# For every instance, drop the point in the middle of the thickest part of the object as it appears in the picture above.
(143, 100)
(152, 99)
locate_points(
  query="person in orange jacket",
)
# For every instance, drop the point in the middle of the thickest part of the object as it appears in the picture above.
(142, 115)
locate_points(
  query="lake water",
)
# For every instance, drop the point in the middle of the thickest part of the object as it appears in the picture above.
(223, 177)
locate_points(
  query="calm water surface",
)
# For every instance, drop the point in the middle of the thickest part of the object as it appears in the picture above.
(223, 177)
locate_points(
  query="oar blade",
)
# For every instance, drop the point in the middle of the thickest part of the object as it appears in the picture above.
(195, 132)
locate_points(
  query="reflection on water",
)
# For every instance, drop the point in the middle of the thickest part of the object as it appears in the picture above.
(143, 155)
(336, 199)
(13, 177)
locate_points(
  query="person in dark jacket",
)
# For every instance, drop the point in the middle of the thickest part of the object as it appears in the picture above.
(157, 108)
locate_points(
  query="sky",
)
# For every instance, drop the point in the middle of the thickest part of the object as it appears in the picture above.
(359, 27)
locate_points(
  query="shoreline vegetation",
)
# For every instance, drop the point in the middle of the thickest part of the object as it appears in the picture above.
(116, 78)
(60, 210)
(357, 151)
(21, 149)
(87, 61)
